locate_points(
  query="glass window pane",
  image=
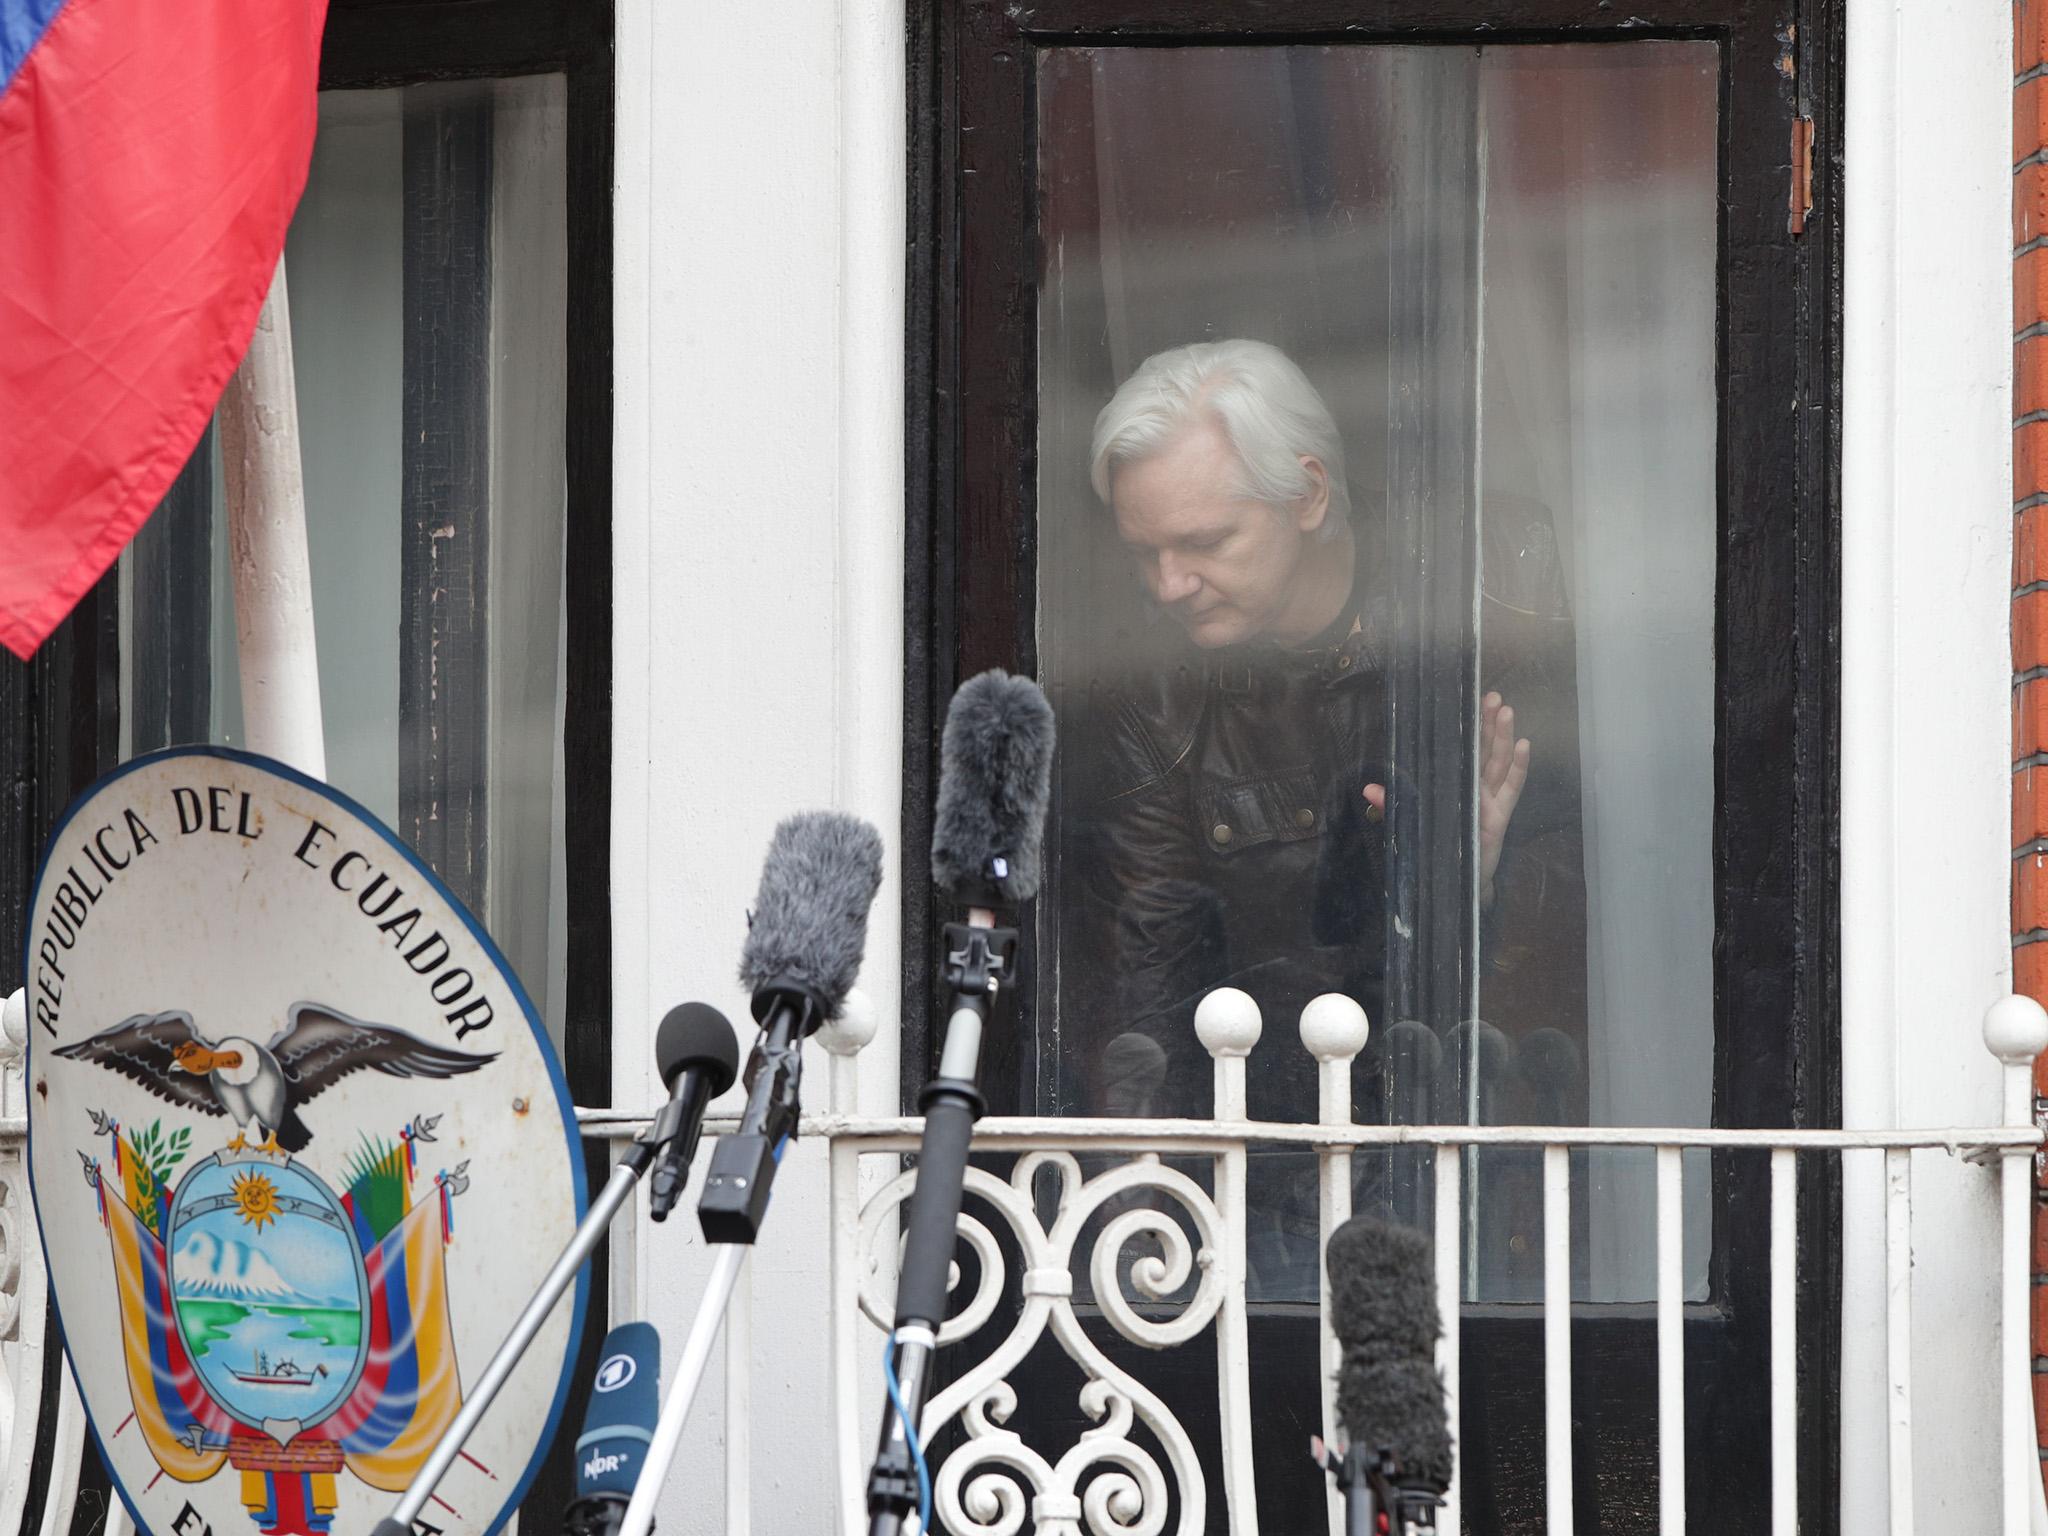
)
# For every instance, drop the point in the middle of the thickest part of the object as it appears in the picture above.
(428, 284)
(1377, 562)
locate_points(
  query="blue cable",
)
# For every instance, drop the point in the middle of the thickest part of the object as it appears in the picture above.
(924, 1473)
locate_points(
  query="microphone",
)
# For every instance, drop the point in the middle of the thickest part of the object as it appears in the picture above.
(988, 833)
(804, 942)
(995, 781)
(1390, 1400)
(698, 1056)
(802, 955)
(809, 925)
(616, 1426)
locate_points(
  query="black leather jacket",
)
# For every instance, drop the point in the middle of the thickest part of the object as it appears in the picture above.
(1232, 848)
(1229, 845)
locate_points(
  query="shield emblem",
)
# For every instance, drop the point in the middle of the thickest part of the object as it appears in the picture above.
(275, 1337)
(269, 1288)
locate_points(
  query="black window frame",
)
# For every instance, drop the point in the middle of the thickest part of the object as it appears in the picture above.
(971, 556)
(60, 712)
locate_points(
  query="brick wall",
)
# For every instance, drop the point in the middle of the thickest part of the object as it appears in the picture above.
(2030, 572)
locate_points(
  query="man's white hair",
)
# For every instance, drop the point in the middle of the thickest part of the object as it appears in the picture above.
(1267, 408)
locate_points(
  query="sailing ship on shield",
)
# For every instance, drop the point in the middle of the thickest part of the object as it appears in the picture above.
(272, 1324)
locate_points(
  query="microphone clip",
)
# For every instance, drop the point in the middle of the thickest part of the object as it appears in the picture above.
(1374, 1491)
(979, 960)
(742, 1172)
(671, 1138)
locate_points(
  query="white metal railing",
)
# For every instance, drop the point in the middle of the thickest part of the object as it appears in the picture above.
(26, 1330)
(1111, 1482)
(1105, 1183)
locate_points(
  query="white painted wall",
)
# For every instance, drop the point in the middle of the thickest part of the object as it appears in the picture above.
(758, 586)
(1925, 728)
(757, 633)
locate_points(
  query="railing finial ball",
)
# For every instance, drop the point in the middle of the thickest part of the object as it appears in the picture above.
(1334, 1027)
(855, 1026)
(1227, 1022)
(14, 1022)
(2016, 1029)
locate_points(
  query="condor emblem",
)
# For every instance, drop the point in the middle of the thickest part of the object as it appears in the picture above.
(287, 1107)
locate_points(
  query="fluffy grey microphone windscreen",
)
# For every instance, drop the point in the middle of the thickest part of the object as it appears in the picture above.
(1383, 1311)
(995, 780)
(810, 918)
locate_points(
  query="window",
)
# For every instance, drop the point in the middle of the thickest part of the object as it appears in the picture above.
(1243, 232)
(427, 267)
(1296, 398)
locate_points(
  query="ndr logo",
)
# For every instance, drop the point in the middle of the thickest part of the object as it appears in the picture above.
(616, 1371)
(601, 1464)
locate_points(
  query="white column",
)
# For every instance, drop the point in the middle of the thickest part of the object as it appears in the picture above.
(1334, 1029)
(1557, 1338)
(266, 497)
(1228, 1024)
(1898, 1335)
(1670, 1341)
(2016, 1031)
(1449, 1304)
(1784, 1343)
(843, 1038)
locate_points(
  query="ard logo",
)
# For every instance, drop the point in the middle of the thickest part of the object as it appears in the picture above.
(293, 1075)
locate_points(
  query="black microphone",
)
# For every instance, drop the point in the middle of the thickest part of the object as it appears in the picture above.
(698, 1056)
(802, 955)
(1390, 1400)
(617, 1426)
(988, 835)
(988, 832)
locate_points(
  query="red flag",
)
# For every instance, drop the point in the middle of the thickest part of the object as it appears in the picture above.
(150, 158)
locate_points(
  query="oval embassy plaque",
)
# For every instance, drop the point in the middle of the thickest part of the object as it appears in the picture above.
(300, 1151)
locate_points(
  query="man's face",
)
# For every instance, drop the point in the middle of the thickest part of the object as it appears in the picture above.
(1227, 568)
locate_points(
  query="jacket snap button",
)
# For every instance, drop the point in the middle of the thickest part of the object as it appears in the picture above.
(1220, 832)
(1304, 818)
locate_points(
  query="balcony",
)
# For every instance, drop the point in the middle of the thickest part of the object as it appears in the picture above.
(1139, 1227)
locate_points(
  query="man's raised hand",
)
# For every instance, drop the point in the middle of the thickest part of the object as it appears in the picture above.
(1503, 770)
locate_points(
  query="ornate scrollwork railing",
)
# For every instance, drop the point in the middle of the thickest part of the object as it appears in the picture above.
(1111, 1192)
(1150, 1249)
(1108, 1478)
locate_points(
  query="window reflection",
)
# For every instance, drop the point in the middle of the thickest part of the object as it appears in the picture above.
(1377, 517)
(429, 281)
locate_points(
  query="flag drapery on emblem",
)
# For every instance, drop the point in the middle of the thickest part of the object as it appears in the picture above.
(150, 159)
(395, 1410)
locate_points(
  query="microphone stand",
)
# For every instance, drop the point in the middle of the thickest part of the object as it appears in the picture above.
(978, 960)
(676, 1118)
(735, 1199)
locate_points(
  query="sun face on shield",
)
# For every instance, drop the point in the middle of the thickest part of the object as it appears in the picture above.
(255, 1200)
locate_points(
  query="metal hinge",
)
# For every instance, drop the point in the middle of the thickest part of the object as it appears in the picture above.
(1800, 200)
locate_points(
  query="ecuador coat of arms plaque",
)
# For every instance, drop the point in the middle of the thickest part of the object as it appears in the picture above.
(300, 1151)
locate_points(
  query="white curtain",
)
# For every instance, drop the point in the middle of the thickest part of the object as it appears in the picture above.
(1598, 399)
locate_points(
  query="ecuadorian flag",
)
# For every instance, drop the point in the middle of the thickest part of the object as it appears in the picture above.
(165, 1387)
(409, 1392)
(151, 154)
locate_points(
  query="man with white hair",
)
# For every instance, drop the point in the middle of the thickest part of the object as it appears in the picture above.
(1238, 830)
